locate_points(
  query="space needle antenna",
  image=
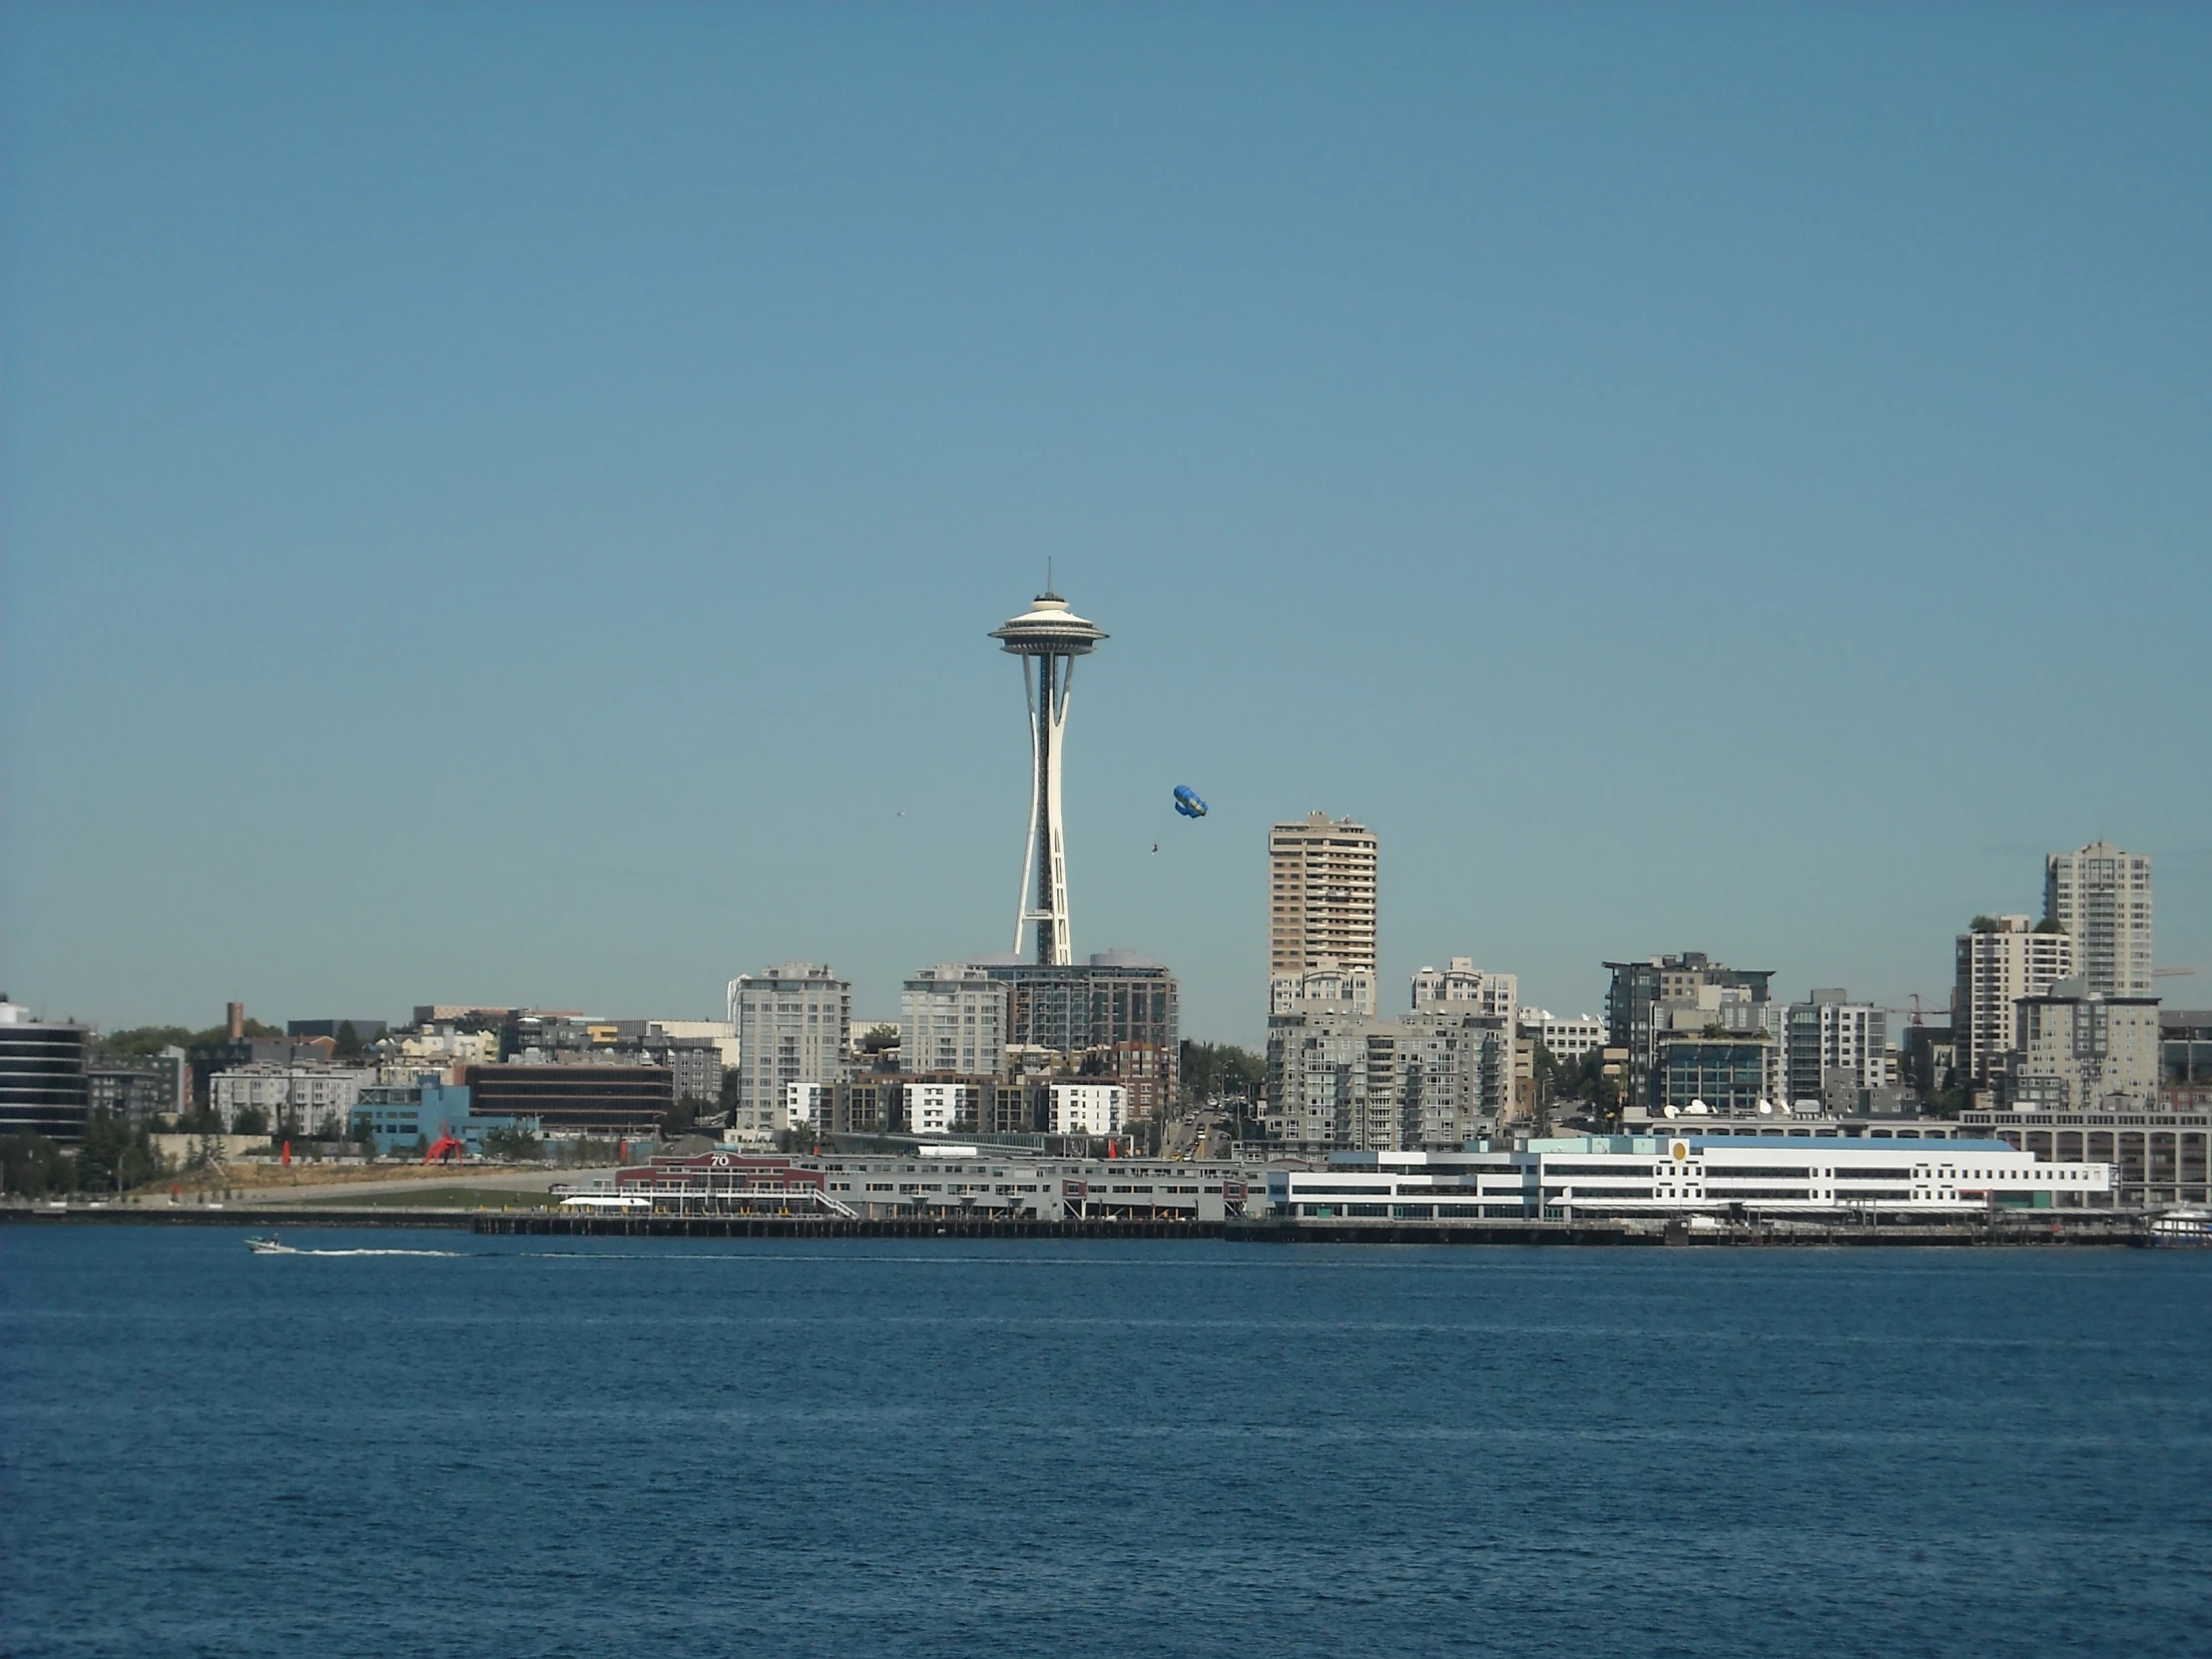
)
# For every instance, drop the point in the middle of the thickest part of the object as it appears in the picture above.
(1051, 636)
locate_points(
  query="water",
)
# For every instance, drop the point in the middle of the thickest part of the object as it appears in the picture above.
(945, 1448)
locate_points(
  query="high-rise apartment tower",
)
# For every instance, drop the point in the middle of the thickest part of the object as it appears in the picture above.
(2101, 896)
(793, 1024)
(1999, 961)
(952, 1018)
(1321, 896)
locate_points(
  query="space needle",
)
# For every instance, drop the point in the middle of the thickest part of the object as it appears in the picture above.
(1053, 636)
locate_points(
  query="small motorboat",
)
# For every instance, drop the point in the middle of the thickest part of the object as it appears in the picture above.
(271, 1245)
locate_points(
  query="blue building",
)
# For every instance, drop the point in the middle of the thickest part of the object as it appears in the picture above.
(400, 1117)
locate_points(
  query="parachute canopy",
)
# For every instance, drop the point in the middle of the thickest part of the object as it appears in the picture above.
(1187, 801)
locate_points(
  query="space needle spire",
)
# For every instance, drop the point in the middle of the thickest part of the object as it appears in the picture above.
(1050, 636)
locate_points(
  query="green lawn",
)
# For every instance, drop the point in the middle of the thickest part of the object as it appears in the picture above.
(445, 1197)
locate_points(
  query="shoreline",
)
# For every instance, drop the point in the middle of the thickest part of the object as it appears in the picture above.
(2111, 1230)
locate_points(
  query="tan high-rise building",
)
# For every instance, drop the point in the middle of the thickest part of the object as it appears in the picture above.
(1321, 896)
(2101, 896)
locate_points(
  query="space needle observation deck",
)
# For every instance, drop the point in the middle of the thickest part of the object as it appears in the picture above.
(1051, 636)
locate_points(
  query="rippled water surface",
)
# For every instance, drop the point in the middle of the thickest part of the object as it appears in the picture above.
(508, 1446)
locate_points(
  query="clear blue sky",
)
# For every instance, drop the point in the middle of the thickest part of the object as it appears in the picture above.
(505, 504)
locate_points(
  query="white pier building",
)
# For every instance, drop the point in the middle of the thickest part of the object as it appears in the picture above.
(1588, 1177)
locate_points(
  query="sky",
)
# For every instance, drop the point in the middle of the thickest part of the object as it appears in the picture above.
(505, 504)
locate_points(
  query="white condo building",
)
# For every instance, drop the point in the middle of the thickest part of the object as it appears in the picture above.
(793, 1024)
(934, 1107)
(1338, 1077)
(2101, 896)
(1830, 1044)
(293, 1099)
(1462, 985)
(1567, 1039)
(1997, 963)
(953, 1018)
(1086, 1108)
(807, 1105)
(1322, 987)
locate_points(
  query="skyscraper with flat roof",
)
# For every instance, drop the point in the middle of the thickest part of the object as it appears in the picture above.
(952, 1018)
(2101, 896)
(1321, 896)
(2000, 960)
(793, 1024)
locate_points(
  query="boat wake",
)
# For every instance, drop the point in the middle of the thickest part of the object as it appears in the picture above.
(269, 1247)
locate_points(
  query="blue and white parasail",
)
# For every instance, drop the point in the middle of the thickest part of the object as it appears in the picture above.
(1187, 801)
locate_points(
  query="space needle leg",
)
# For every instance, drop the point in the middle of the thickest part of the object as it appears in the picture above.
(1036, 785)
(1063, 942)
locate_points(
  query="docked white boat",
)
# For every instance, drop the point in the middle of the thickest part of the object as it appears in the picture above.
(2182, 1230)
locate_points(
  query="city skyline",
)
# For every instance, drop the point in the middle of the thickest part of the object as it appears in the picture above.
(524, 537)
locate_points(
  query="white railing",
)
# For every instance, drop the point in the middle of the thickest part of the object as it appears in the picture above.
(711, 1201)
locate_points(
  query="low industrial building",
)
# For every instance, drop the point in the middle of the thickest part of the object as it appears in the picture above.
(611, 1102)
(400, 1118)
(941, 1181)
(2156, 1156)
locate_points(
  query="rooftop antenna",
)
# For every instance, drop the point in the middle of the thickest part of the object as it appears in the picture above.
(1048, 587)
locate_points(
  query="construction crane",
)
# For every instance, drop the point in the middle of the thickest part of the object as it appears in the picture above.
(1941, 1004)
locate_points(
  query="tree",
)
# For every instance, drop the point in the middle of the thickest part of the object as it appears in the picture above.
(114, 1155)
(250, 1120)
(1586, 1080)
(513, 1141)
(1944, 1103)
(152, 1039)
(679, 1118)
(32, 1166)
(1212, 1069)
(144, 1039)
(348, 1044)
(1550, 1075)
